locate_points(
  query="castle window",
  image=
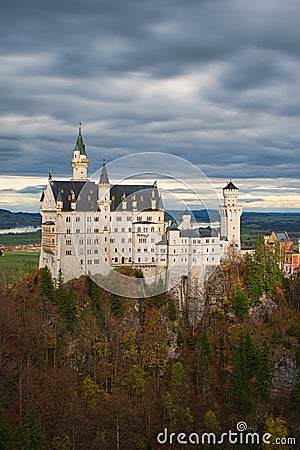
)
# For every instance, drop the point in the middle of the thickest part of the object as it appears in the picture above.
(116, 250)
(153, 259)
(115, 230)
(129, 230)
(89, 261)
(89, 198)
(89, 251)
(123, 230)
(77, 219)
(152, 250)
(139, 259)
(129, 249)
(119, 218)
(96, 241)
(129, 218)
(207, 241)
(139, 218)
(149, 218)
(152, 229)
(96, 261)
(68, 252)
(89, 219)
(145, 249)
(68, 231)
(105, 239)
(138, 249)
(96, 230)
(68, 219)
(105, 249)
(129, 259)
(139, 229)
(81, 262)
(89, 240)
(116, 259)
(77, 230)
(96, 219)
(123, 240)
(68, 242)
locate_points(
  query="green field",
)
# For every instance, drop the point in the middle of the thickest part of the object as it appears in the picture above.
(15, 264)
(20, 238)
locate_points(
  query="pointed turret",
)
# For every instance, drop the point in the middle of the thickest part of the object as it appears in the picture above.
(104, 187)
(104, 176)
(79, 161)
(79, 145)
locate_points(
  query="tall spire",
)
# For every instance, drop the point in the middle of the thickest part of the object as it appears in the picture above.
(104, 176)
(79, 145)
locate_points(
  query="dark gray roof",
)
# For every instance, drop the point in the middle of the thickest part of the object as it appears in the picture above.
(79, 143)
(49, 222)
(42, 196)
(85, 194)
(174, 226)
(199, 232)
(142, 194)
(163, 241)
(230, 185)
(104, 176)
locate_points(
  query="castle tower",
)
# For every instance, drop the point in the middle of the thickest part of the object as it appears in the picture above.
(80, 162)
(104, 187)
(230, 213)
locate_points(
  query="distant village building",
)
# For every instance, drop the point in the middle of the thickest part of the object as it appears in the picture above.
(289, 257)
(90, 228)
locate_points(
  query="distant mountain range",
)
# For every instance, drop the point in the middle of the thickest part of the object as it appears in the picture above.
(261, 222)
(10, 219)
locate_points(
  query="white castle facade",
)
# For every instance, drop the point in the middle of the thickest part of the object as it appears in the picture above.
(90, 228)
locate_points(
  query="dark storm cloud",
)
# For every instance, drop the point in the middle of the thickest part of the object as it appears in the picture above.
(216, 82)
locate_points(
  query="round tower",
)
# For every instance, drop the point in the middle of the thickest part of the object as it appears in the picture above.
(230, 213)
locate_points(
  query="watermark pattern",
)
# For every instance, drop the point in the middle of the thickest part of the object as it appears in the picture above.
(240, 436)
(180, 182)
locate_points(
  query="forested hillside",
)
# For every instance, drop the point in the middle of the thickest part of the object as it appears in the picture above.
(84, 369)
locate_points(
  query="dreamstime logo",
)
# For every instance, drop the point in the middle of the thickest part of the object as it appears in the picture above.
(122, 224)
(241, 436)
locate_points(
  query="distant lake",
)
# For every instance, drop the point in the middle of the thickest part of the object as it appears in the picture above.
(19, 230)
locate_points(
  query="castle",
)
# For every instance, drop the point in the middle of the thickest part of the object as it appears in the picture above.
(91, 228)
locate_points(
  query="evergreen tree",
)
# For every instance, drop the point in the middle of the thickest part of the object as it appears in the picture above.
(95, 295)
(172, 313)
(46, 284)
(244, 367)
(240, 303)
(263, 374)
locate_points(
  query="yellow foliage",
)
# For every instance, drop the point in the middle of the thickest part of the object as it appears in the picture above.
(277, 428)
(90, 391)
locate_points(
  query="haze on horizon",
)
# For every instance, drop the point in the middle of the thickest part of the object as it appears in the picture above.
(216, 83)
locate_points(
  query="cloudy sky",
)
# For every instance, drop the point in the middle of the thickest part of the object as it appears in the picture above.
(216, 82)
